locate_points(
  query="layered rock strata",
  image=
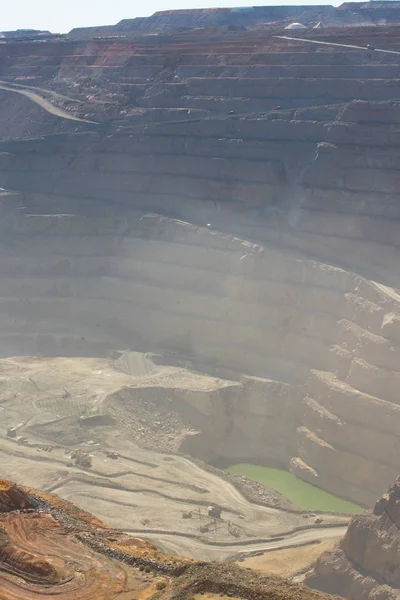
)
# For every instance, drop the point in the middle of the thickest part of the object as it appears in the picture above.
(190, 75)
(257, 244)
(366, 563)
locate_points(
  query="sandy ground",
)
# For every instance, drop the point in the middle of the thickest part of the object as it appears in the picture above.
(289, 561)
(143, 492)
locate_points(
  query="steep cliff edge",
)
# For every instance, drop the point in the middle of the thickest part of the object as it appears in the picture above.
(366, 564)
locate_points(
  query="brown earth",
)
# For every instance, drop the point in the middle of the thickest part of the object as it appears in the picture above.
(54, 549)
(46, 550)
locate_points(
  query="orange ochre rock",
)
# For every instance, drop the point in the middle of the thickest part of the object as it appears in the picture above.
(50, 548)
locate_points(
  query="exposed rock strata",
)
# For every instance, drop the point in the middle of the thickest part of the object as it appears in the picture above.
(277, 250)
(366, 563)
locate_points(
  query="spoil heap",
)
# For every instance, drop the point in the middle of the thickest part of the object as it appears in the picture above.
(266, 17)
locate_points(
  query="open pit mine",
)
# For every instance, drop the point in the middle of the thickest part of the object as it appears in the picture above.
(200, 268)
(50, 548)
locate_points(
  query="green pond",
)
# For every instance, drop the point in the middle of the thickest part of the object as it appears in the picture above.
(302, 494)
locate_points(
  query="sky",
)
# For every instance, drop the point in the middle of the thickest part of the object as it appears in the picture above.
(61, 16)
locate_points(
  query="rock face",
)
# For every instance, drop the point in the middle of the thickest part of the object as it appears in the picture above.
(366, 564)
(13, 498)
(232, 200)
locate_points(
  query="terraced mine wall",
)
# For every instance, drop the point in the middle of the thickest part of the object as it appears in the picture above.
(82, 275)
(164, 77)
(256, 243)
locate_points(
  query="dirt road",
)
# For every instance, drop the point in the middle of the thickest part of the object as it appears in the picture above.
(42, 102)
(353, 47)
(191, 547)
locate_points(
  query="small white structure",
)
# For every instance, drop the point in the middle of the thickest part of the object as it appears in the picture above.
(296, 26)
(318, 26)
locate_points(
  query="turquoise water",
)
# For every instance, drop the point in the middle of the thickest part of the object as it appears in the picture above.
(302, 494)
